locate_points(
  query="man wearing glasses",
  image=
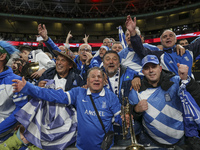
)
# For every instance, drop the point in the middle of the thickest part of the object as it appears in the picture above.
(84, 59)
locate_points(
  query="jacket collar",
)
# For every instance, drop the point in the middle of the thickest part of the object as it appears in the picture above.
(102, 93)
(169, 49)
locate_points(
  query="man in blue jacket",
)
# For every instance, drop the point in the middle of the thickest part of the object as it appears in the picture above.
(90, 132)
(119, 77)
(63, 73)
(10, 103)
(158, 103)
(168, 57)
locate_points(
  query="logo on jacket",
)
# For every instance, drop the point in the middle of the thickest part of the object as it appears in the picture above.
(103, 104)
(171, 62)
(84, 100)
(74, 83)
(186, 58)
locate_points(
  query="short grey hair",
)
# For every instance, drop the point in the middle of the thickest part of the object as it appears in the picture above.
(108, 39)
(95, 68)
(164, 31)
(84, 45)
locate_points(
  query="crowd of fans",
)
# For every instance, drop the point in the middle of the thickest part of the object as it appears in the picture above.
(51, 100)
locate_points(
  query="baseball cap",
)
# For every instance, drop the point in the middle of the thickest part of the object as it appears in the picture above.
(150, 59)
(105, 47)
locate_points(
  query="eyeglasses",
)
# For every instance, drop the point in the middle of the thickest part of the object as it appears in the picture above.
(83, 50)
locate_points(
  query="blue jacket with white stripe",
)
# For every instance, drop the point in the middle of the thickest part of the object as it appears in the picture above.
(90, 132)
(168, 57)
(10, 103)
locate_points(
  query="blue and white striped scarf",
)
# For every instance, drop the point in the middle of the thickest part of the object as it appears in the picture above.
(122, 37)
(191, 114)
(48, 125)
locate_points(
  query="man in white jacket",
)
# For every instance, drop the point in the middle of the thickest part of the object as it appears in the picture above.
(39, 56)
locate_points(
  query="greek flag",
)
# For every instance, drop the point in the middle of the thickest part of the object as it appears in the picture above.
(122, 37)
(48, 125)
(191, 114)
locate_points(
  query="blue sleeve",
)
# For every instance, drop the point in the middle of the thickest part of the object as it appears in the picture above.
(116, 108)
(151, 47)
(133, 98)
(20, 100)
(93, 63)
(141, 50)
(51, 46)
(51, 95)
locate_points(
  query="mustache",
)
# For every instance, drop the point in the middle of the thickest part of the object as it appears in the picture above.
(111, 65)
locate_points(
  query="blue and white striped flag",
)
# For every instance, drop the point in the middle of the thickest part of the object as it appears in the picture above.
(191, 114)
(122, 37)
(48, 125)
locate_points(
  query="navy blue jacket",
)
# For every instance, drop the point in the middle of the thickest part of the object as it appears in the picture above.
(73, 79)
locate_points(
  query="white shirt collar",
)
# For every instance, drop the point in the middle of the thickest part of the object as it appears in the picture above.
(102, 93)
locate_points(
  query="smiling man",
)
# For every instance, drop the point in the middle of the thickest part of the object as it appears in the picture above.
(84, 60)
(119, 77)
(63, 73)
(90, 132)
(158, 106)
(169, 57)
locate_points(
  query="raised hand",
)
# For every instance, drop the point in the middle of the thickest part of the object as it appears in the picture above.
(131, 25)
(85, 39)
(182, 71)
(42, 31)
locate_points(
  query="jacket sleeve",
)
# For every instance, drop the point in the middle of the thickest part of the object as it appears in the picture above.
(20, 100)
(193, 88)
(51, 46)
(195, 48)
(141, 50)
(133, 100)
(45, 61)
(51, 95)
(11, 143)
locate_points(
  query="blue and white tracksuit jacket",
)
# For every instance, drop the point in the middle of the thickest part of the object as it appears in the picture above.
(90, 132)
(126, 76)
(129, 58)
(168, 57)
(84, 68)
(163, 121)
(9, 103)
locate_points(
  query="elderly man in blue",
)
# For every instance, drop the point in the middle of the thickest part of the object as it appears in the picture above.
(158, 103)
(168, 57)
(90, 132)
(9, 103)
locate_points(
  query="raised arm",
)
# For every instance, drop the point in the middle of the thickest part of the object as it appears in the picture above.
(85, 39)
(195, 48)
(136, 40)
(69, 35)
(192, 86)
(42, 31)
(51, 95)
